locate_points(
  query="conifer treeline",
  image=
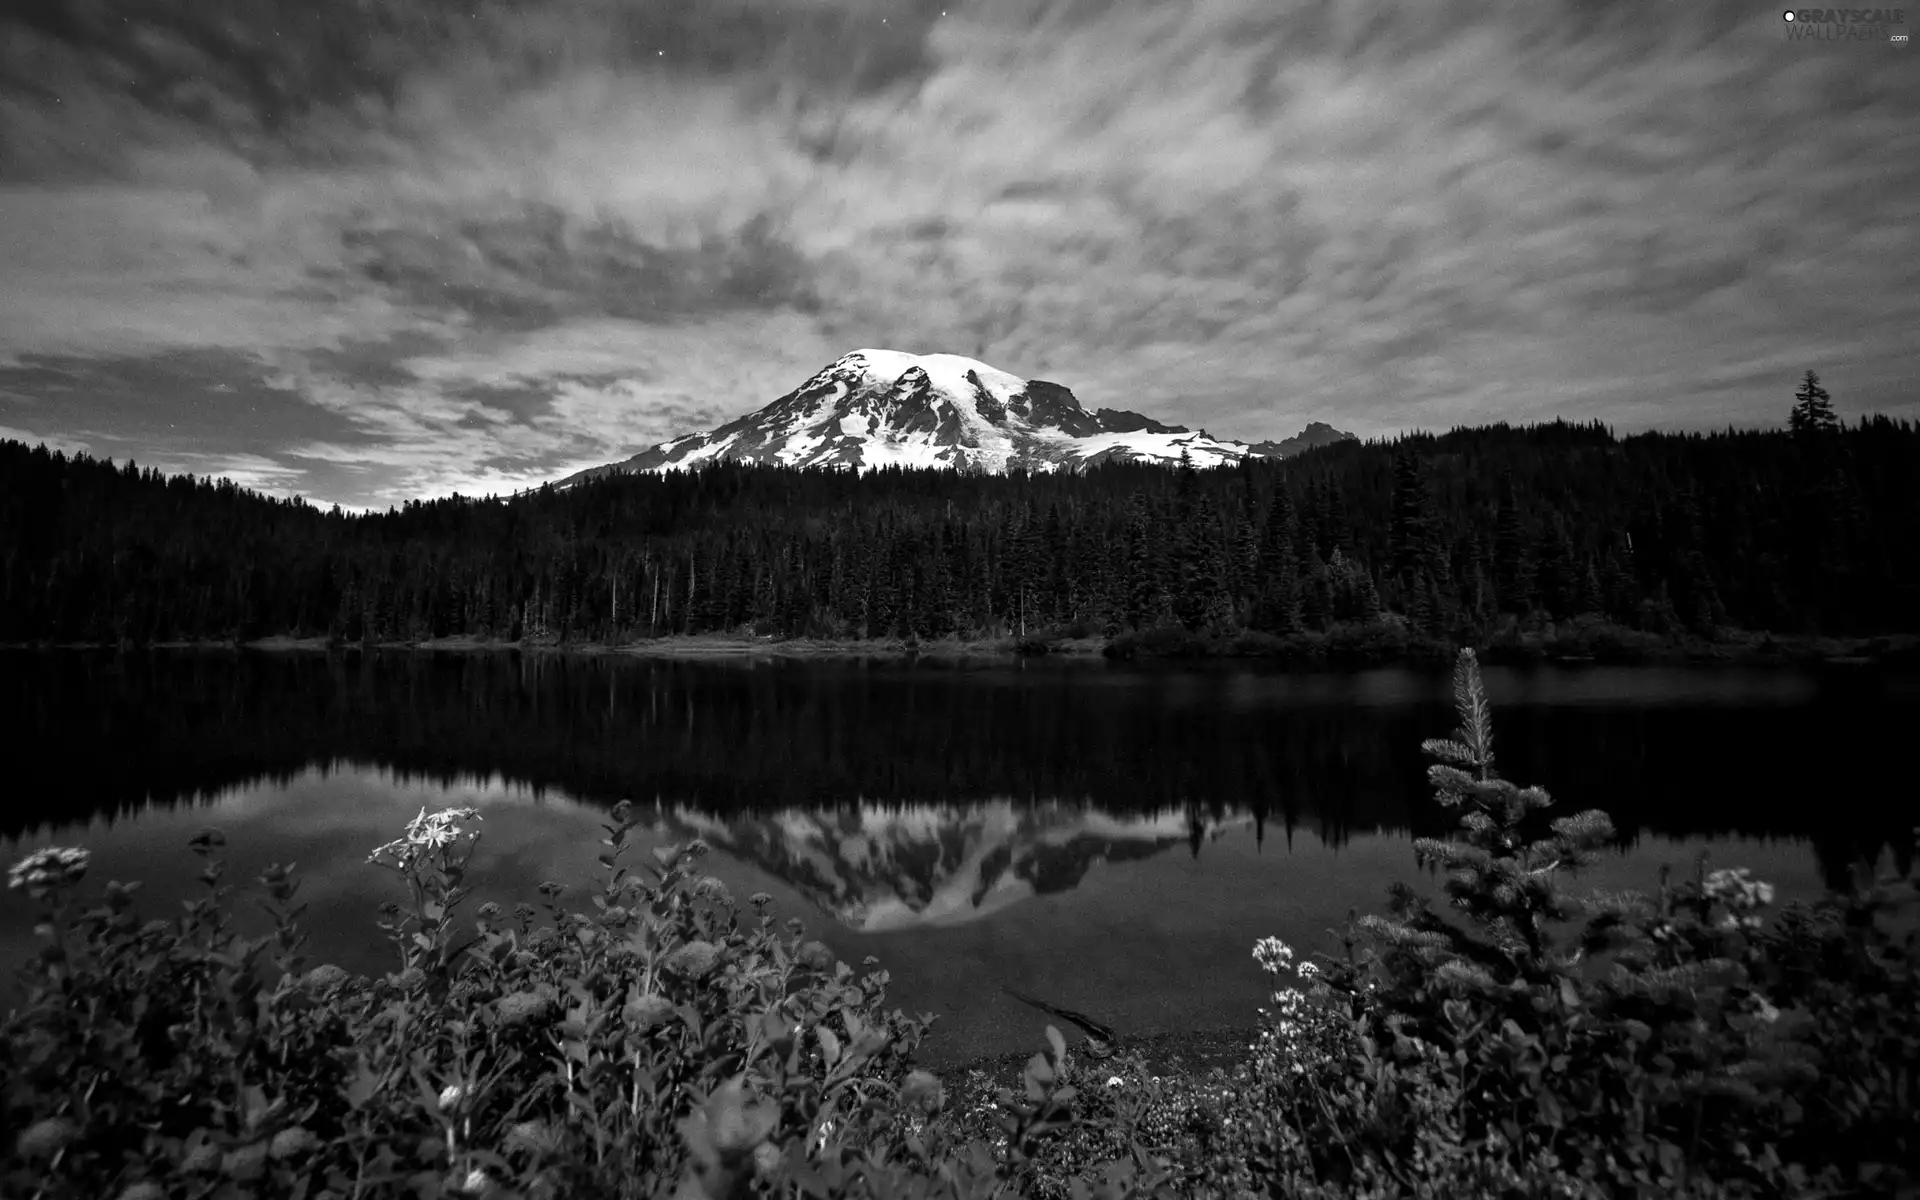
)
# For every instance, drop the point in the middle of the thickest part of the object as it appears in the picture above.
(1813, 529)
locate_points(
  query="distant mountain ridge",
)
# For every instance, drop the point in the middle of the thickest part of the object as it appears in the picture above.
(879, 408)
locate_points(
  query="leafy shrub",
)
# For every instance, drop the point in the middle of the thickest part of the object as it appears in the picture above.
(1161, 641)
(667, 1040)
(1604, 641)
(1675, 1044)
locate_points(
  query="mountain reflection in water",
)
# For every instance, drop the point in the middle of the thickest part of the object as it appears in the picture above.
(880, 869)
(1110, 838)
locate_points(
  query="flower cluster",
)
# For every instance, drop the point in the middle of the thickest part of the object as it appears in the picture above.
(49, 869)
(693, 959)
(426, 834)
(1273, 955)
(1294, 1029)
(1740, 893)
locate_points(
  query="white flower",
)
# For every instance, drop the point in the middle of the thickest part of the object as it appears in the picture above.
(1273, 955)
(1309, 970)
(51, 867)
(451, 1096)
(1114, 1081)
(477, 1181)
(427, 833)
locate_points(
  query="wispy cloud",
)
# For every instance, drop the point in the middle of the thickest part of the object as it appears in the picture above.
(66, 445)
(479, 247)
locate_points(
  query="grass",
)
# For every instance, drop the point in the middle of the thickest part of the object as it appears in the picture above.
(667, 1039)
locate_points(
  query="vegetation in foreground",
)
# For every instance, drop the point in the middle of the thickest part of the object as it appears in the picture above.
(671, 1042)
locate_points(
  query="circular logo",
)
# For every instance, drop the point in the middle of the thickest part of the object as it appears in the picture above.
(1788, 15)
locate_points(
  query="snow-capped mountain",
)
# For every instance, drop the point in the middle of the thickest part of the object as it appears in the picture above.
(879, 869)
(880, 408)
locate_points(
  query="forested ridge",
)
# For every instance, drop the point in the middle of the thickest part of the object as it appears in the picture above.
(1814, 528)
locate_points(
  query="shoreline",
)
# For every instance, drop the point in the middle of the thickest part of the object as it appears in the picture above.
(1312, 651)
(1190, 1052)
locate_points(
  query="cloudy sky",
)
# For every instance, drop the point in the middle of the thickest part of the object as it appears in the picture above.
(365, 250)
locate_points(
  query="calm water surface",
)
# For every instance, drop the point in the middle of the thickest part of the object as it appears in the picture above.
(1111, 838)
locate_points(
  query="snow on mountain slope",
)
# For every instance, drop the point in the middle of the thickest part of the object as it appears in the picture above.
(880, 408)
(880, 868)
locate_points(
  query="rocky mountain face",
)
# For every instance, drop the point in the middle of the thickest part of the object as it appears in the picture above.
(881, 408)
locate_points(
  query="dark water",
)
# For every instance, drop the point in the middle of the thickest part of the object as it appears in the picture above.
(1110, 838)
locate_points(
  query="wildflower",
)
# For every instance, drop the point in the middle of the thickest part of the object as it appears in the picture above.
(1116, 1081)
(426, 834)
(1273, 955)
(451, 1096)
(477, 1180)
(647, 1013)
(324, 977)
(523, 911)
(244, 1163)
(695, 848)
(488, 911)
(815, 956)
(536, 1136)
(550, 889)
(712, 888)
(767, 1158)
(289, 1142)
(207, 839)
(732, 1127)
(694, 959)
(520, 1008)
(1309, 970)
(922, 1092)
(409, 979)
(43, 1139)
(49, 868)
(760, 899)
(1737, 890)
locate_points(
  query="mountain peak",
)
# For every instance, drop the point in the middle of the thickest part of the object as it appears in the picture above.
(874, 407)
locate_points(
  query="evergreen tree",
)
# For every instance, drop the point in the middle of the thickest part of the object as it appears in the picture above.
(1143, 572)
(1513, 572)
(1410, 532)
(1812, 414)
(1558, 580)
(1277, 570)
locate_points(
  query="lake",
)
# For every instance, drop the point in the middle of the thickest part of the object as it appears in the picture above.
(1112, 838)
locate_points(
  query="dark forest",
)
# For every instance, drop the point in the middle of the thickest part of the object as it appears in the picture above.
(1808, 529)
